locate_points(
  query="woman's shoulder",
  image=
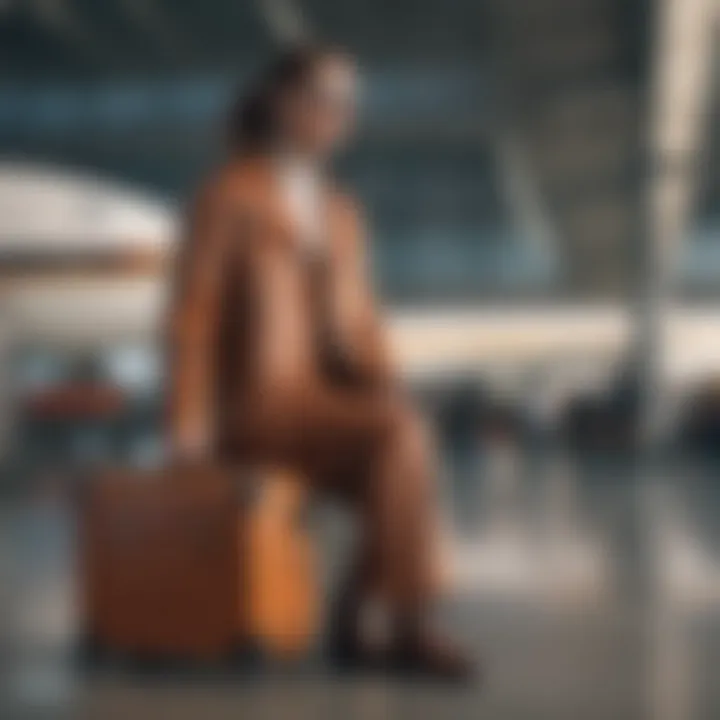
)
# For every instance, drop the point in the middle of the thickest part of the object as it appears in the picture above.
(240, 181)
(234, 196)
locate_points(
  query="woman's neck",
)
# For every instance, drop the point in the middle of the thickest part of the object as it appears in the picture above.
(295, 156)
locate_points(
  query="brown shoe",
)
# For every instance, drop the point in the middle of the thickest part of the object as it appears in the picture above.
(428, 657)
(349, 653)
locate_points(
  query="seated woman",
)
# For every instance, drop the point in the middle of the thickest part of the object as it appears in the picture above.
(279, 356)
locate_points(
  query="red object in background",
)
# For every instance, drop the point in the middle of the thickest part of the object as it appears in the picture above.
(76, 401)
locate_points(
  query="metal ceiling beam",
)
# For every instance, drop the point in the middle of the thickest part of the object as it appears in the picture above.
(147, 17)
(679, 99)
(285, 20)
(58, 18)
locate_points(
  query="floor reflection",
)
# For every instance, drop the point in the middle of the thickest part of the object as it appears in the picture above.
(588, 595)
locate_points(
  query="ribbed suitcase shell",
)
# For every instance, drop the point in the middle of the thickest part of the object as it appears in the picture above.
(161, 566)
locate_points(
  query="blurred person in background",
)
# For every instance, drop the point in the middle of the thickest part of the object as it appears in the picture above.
(279, 358)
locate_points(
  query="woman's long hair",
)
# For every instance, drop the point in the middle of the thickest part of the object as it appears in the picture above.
(253, 119)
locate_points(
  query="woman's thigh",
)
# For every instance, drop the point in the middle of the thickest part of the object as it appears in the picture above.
(333, 459)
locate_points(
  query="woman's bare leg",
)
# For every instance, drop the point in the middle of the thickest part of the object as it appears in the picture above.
(393, 495)
(380, 461)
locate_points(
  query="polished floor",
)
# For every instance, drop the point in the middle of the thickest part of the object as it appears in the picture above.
(587, 595)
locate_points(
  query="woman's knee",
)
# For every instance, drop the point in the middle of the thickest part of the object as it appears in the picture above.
(412, 431)
(412, 444)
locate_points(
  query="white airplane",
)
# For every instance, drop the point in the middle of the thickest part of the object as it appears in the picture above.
(85, 260)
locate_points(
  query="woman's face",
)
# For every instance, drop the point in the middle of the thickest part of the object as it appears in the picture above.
(318, 117)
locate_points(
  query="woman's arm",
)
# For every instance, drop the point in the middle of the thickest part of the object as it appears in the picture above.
(292, 402)
(359, 330)
(194, 322)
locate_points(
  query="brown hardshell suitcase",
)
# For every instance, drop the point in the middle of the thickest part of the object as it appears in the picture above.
(196, 563)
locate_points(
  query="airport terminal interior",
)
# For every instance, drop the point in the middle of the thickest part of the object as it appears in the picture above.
(544, 205)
